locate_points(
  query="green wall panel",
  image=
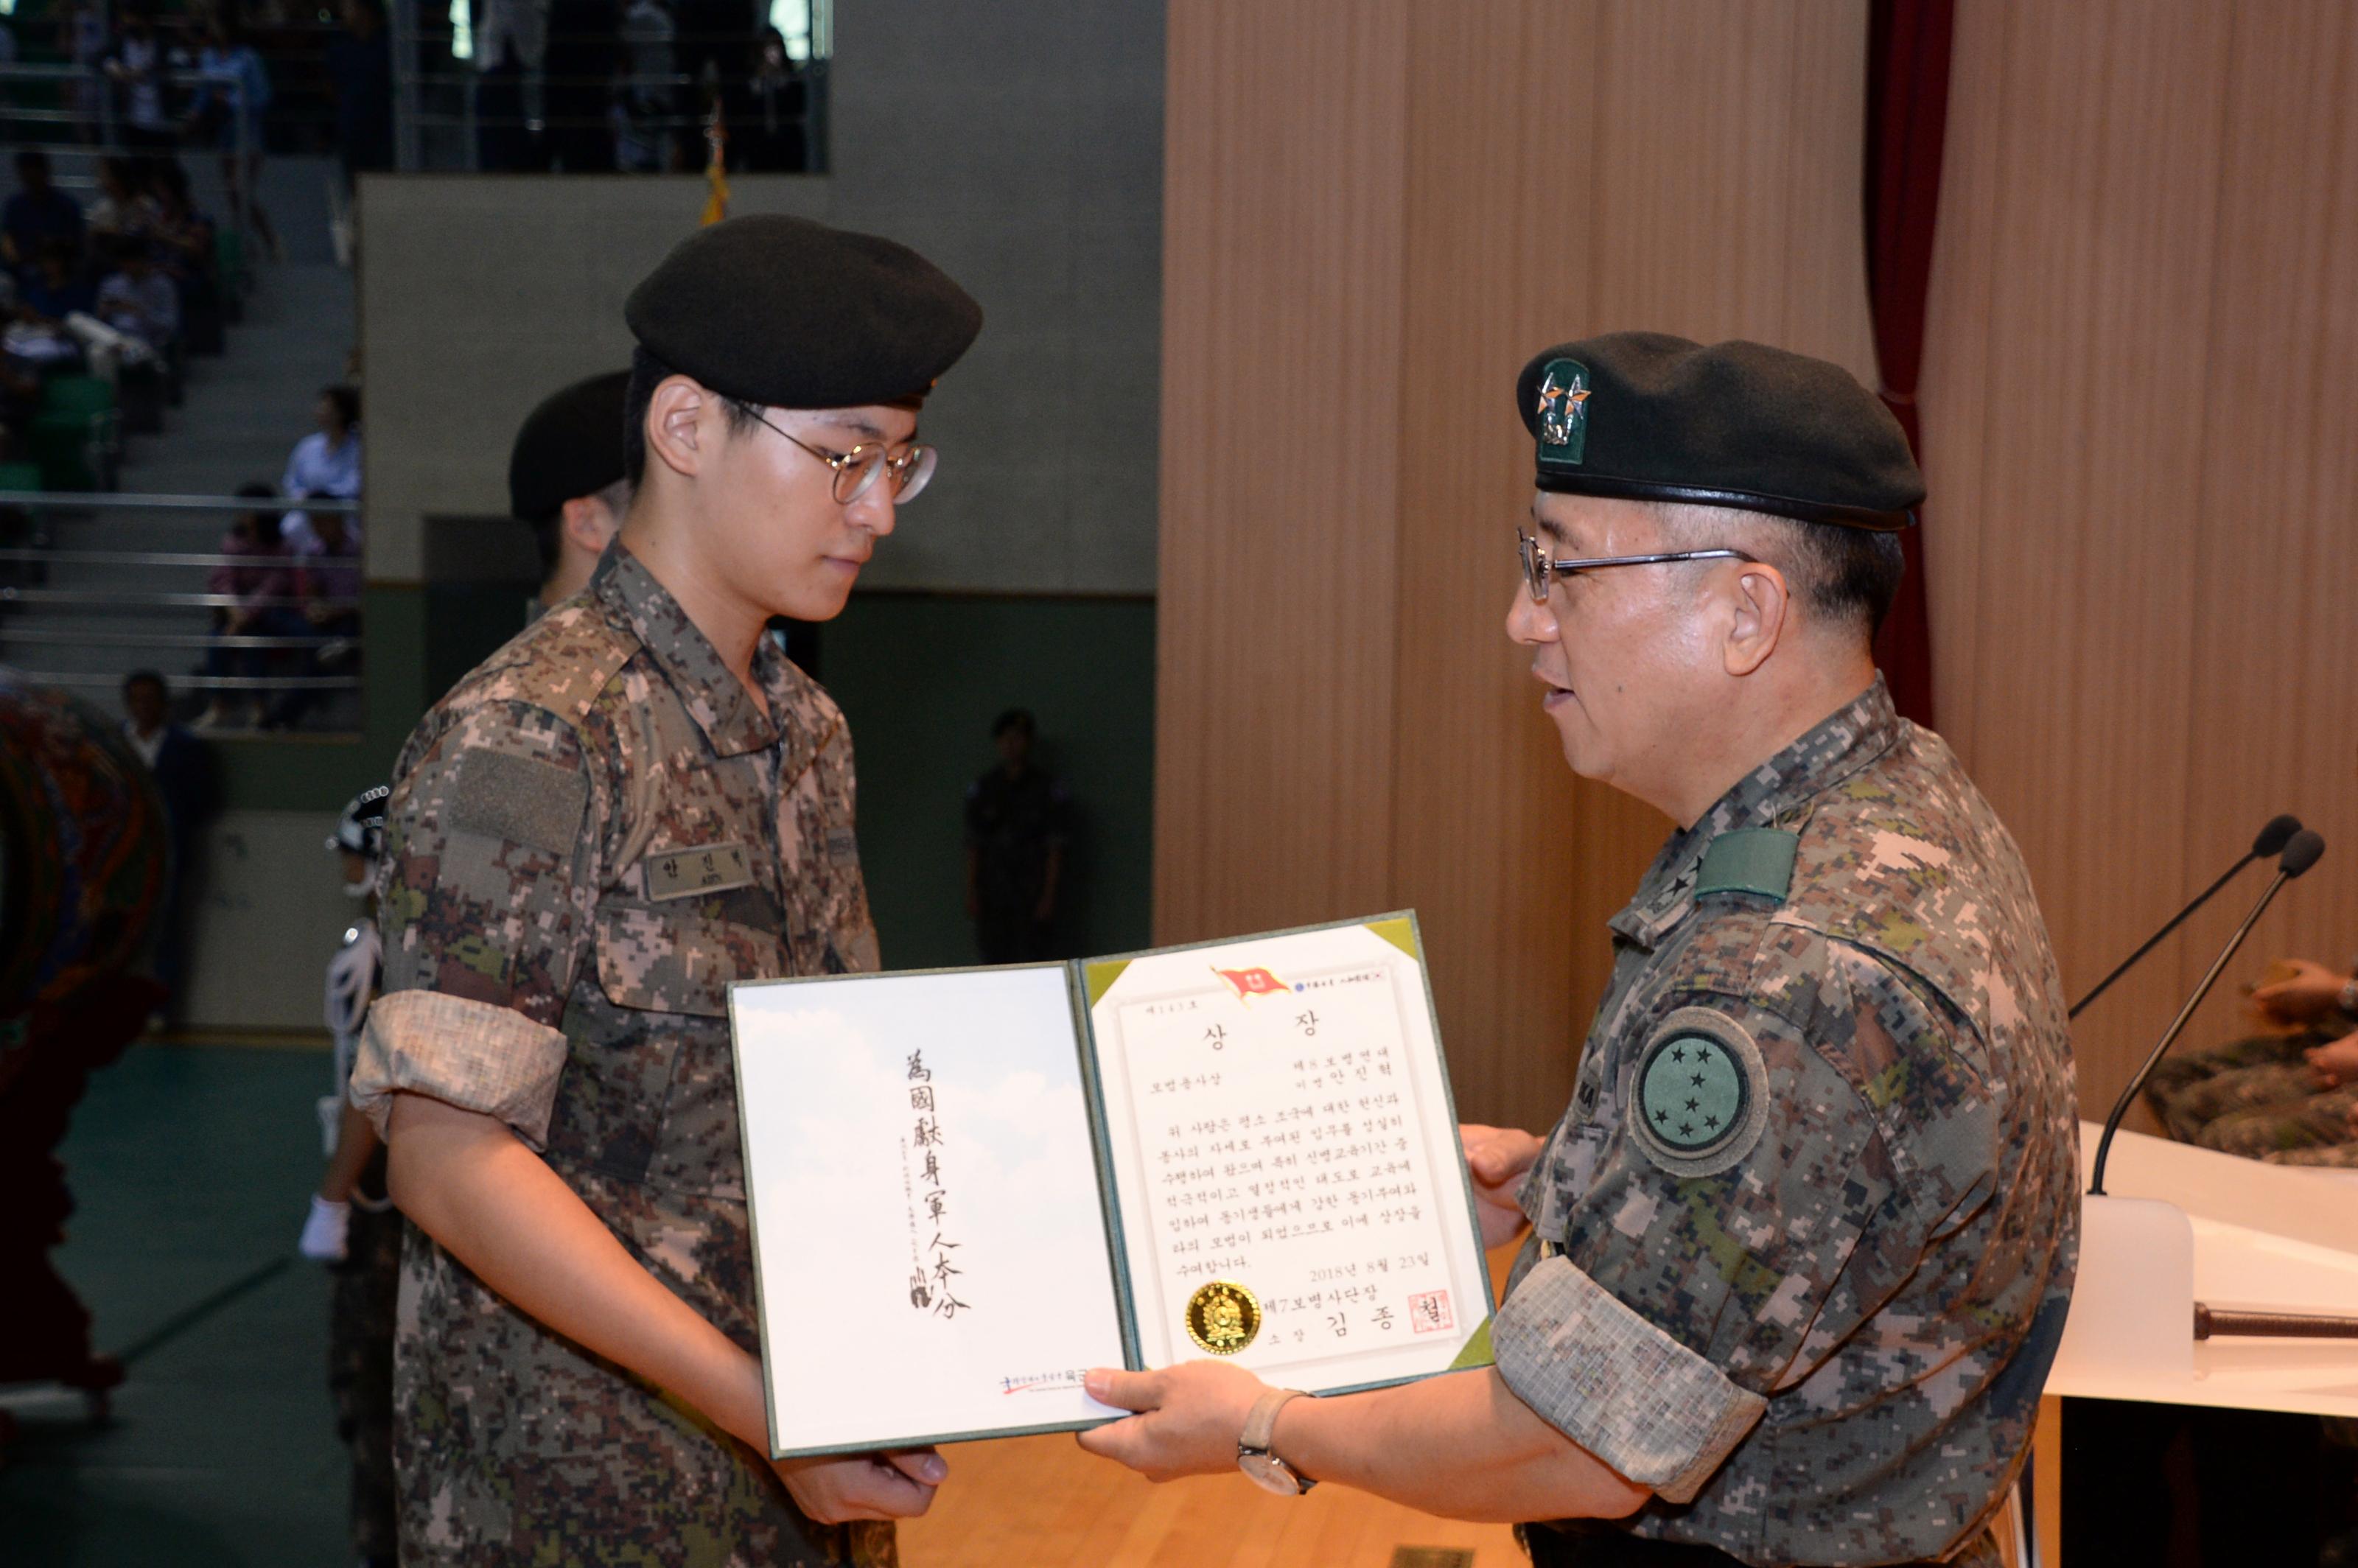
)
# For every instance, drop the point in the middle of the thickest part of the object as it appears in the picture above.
(920, 677)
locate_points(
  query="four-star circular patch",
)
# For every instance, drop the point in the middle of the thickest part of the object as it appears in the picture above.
(1698, 1099)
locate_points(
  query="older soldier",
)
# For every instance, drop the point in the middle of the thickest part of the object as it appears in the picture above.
(1803, 1240)
(565, 480)
(636, 801)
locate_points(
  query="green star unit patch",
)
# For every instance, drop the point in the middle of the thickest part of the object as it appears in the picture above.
(1698, 1101)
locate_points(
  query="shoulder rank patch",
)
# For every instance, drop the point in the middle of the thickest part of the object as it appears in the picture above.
(1699, 1101)
(1750, 860)
(528, 801)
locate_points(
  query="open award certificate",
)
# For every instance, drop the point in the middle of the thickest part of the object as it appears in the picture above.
(968, 1186)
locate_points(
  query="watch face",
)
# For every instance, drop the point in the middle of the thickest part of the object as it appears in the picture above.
(1268, 1470)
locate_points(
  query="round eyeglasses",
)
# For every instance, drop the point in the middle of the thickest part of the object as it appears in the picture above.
(909, 464)
(1541, 569)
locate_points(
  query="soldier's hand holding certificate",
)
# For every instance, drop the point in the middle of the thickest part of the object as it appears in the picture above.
(969, 1186)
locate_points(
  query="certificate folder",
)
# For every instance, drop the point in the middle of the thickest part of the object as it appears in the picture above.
(968, 1186)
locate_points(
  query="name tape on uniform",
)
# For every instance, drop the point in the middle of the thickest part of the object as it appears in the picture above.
(682, 873)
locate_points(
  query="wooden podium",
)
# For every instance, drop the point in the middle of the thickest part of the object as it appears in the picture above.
(2183, 1224)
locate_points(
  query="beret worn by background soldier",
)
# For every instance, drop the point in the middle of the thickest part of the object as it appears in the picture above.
(1648, 416)
(571, 444)
(788, 313)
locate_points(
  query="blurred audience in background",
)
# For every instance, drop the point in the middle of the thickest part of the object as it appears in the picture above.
(259, 580)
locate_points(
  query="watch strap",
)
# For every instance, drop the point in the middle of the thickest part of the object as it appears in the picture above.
(1260, 1425)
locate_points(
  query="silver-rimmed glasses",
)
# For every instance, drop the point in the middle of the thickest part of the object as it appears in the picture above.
(1541, 569)
(909, 464)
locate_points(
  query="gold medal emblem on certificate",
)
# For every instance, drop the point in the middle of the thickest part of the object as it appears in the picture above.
(1223, 1317)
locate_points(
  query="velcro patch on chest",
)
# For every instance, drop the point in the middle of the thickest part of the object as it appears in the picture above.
(842, 848)
(1699, 1099)
(520, 799)
(708, 868)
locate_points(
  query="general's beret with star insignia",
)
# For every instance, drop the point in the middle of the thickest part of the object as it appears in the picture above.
(1648, 416)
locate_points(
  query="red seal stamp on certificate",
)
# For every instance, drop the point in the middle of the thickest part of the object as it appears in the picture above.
(1429, 1312)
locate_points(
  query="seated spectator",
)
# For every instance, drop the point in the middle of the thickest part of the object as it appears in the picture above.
(53, 293)
(37, 213)
(121, 208)
(137, 301)
(2287, 1096)
(327, 555)
(326, 462)
(183, 234)
(260, 584)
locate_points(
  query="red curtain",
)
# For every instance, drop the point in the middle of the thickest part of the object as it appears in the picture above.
(1906, 113)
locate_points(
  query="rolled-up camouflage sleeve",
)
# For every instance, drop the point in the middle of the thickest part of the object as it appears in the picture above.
(1694, 1282)
(485, 889)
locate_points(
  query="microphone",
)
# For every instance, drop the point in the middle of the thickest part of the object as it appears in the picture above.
(2273, 837)
(2299, 854)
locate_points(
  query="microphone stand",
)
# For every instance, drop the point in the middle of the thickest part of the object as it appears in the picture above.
(2170, 1036)
(2155, 940)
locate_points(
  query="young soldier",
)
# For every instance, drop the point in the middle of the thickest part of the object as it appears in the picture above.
(1803, 1240)
(634, 803)
(565, 480)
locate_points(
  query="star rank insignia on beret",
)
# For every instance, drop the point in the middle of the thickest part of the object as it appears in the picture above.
(1562, 412)
(1700, 1100)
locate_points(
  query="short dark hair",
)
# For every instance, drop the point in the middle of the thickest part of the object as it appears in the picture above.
(30, 159)
(1848, 577)
(147, 677)
(1014, 719)
(647, 372)
(548, 529)
(347, 400)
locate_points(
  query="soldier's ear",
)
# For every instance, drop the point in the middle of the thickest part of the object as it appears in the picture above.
(679, 415)
(1762, 606)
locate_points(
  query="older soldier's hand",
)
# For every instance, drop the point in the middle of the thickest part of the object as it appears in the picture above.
(864, 1486)
(1190, 1418)
(1498, 1158)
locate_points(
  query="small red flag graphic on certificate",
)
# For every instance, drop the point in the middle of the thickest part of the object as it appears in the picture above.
(1251, 982)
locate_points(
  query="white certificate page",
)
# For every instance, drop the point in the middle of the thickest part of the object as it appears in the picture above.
(1278, 1119)
(930, 1241)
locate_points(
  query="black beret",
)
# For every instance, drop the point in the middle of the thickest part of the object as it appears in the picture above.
(1647, 416)
(792, 314)
(571, 444)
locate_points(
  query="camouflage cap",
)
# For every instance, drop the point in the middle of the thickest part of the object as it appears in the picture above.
(1648, 416)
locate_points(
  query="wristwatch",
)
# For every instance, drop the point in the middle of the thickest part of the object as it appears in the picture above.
(2348, 1001)
(1253, 1456)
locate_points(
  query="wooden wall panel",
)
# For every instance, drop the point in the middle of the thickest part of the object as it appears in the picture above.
(2138, 420)
(1544, 171)
(1282, 215)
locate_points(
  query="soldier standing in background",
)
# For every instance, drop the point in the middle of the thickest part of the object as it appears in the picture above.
(1017, 829)
(353, 1226)
(636, 801)
(1803, 1244)
(565, 480)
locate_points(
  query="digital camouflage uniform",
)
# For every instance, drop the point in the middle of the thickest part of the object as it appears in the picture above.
(1817, 1329)
(2258, 1098)
(593, 836)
